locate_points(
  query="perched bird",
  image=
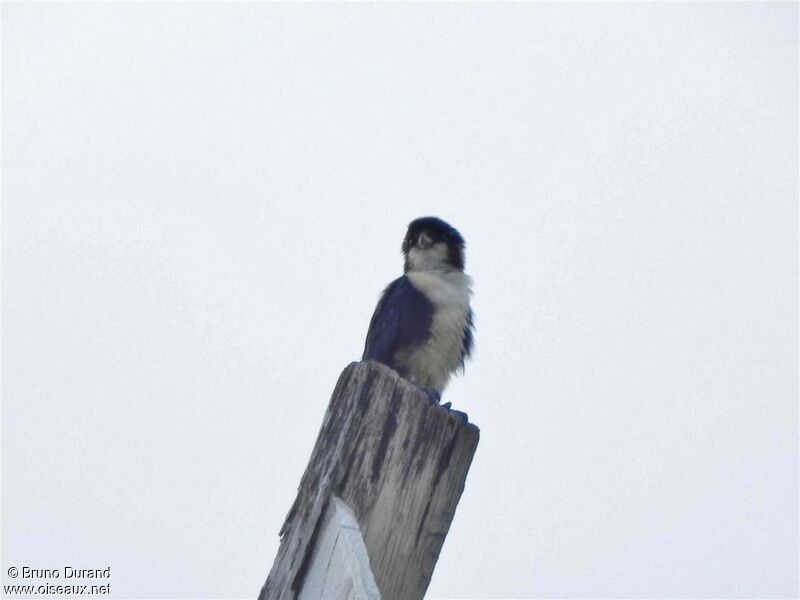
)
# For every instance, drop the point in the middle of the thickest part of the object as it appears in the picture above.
(422, 327)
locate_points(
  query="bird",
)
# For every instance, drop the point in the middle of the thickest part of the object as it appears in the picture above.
(423, 324)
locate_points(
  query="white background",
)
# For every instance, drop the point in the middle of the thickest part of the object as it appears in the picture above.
(202, 202)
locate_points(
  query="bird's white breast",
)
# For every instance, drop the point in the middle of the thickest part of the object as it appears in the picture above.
(432, 364)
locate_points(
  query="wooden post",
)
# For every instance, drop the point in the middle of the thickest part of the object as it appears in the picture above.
(398, 462)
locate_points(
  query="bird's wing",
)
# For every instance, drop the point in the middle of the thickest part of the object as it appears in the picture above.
(402, 318)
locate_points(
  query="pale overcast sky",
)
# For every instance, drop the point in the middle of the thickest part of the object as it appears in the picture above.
(202, 202)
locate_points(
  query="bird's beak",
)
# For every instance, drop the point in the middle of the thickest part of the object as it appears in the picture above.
(424, 241)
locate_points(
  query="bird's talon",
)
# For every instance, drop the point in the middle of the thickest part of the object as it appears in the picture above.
(433, 394)
(461, 415)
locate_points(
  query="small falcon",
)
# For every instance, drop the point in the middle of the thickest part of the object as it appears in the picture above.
(422, 327)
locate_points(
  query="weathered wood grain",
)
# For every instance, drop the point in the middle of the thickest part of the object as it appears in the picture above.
(339, 567)
(399, 461)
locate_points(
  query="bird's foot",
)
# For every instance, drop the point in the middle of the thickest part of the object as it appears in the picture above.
(432, 394)
(460, 414)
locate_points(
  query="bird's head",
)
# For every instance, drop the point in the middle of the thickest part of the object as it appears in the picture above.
(433, 245)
